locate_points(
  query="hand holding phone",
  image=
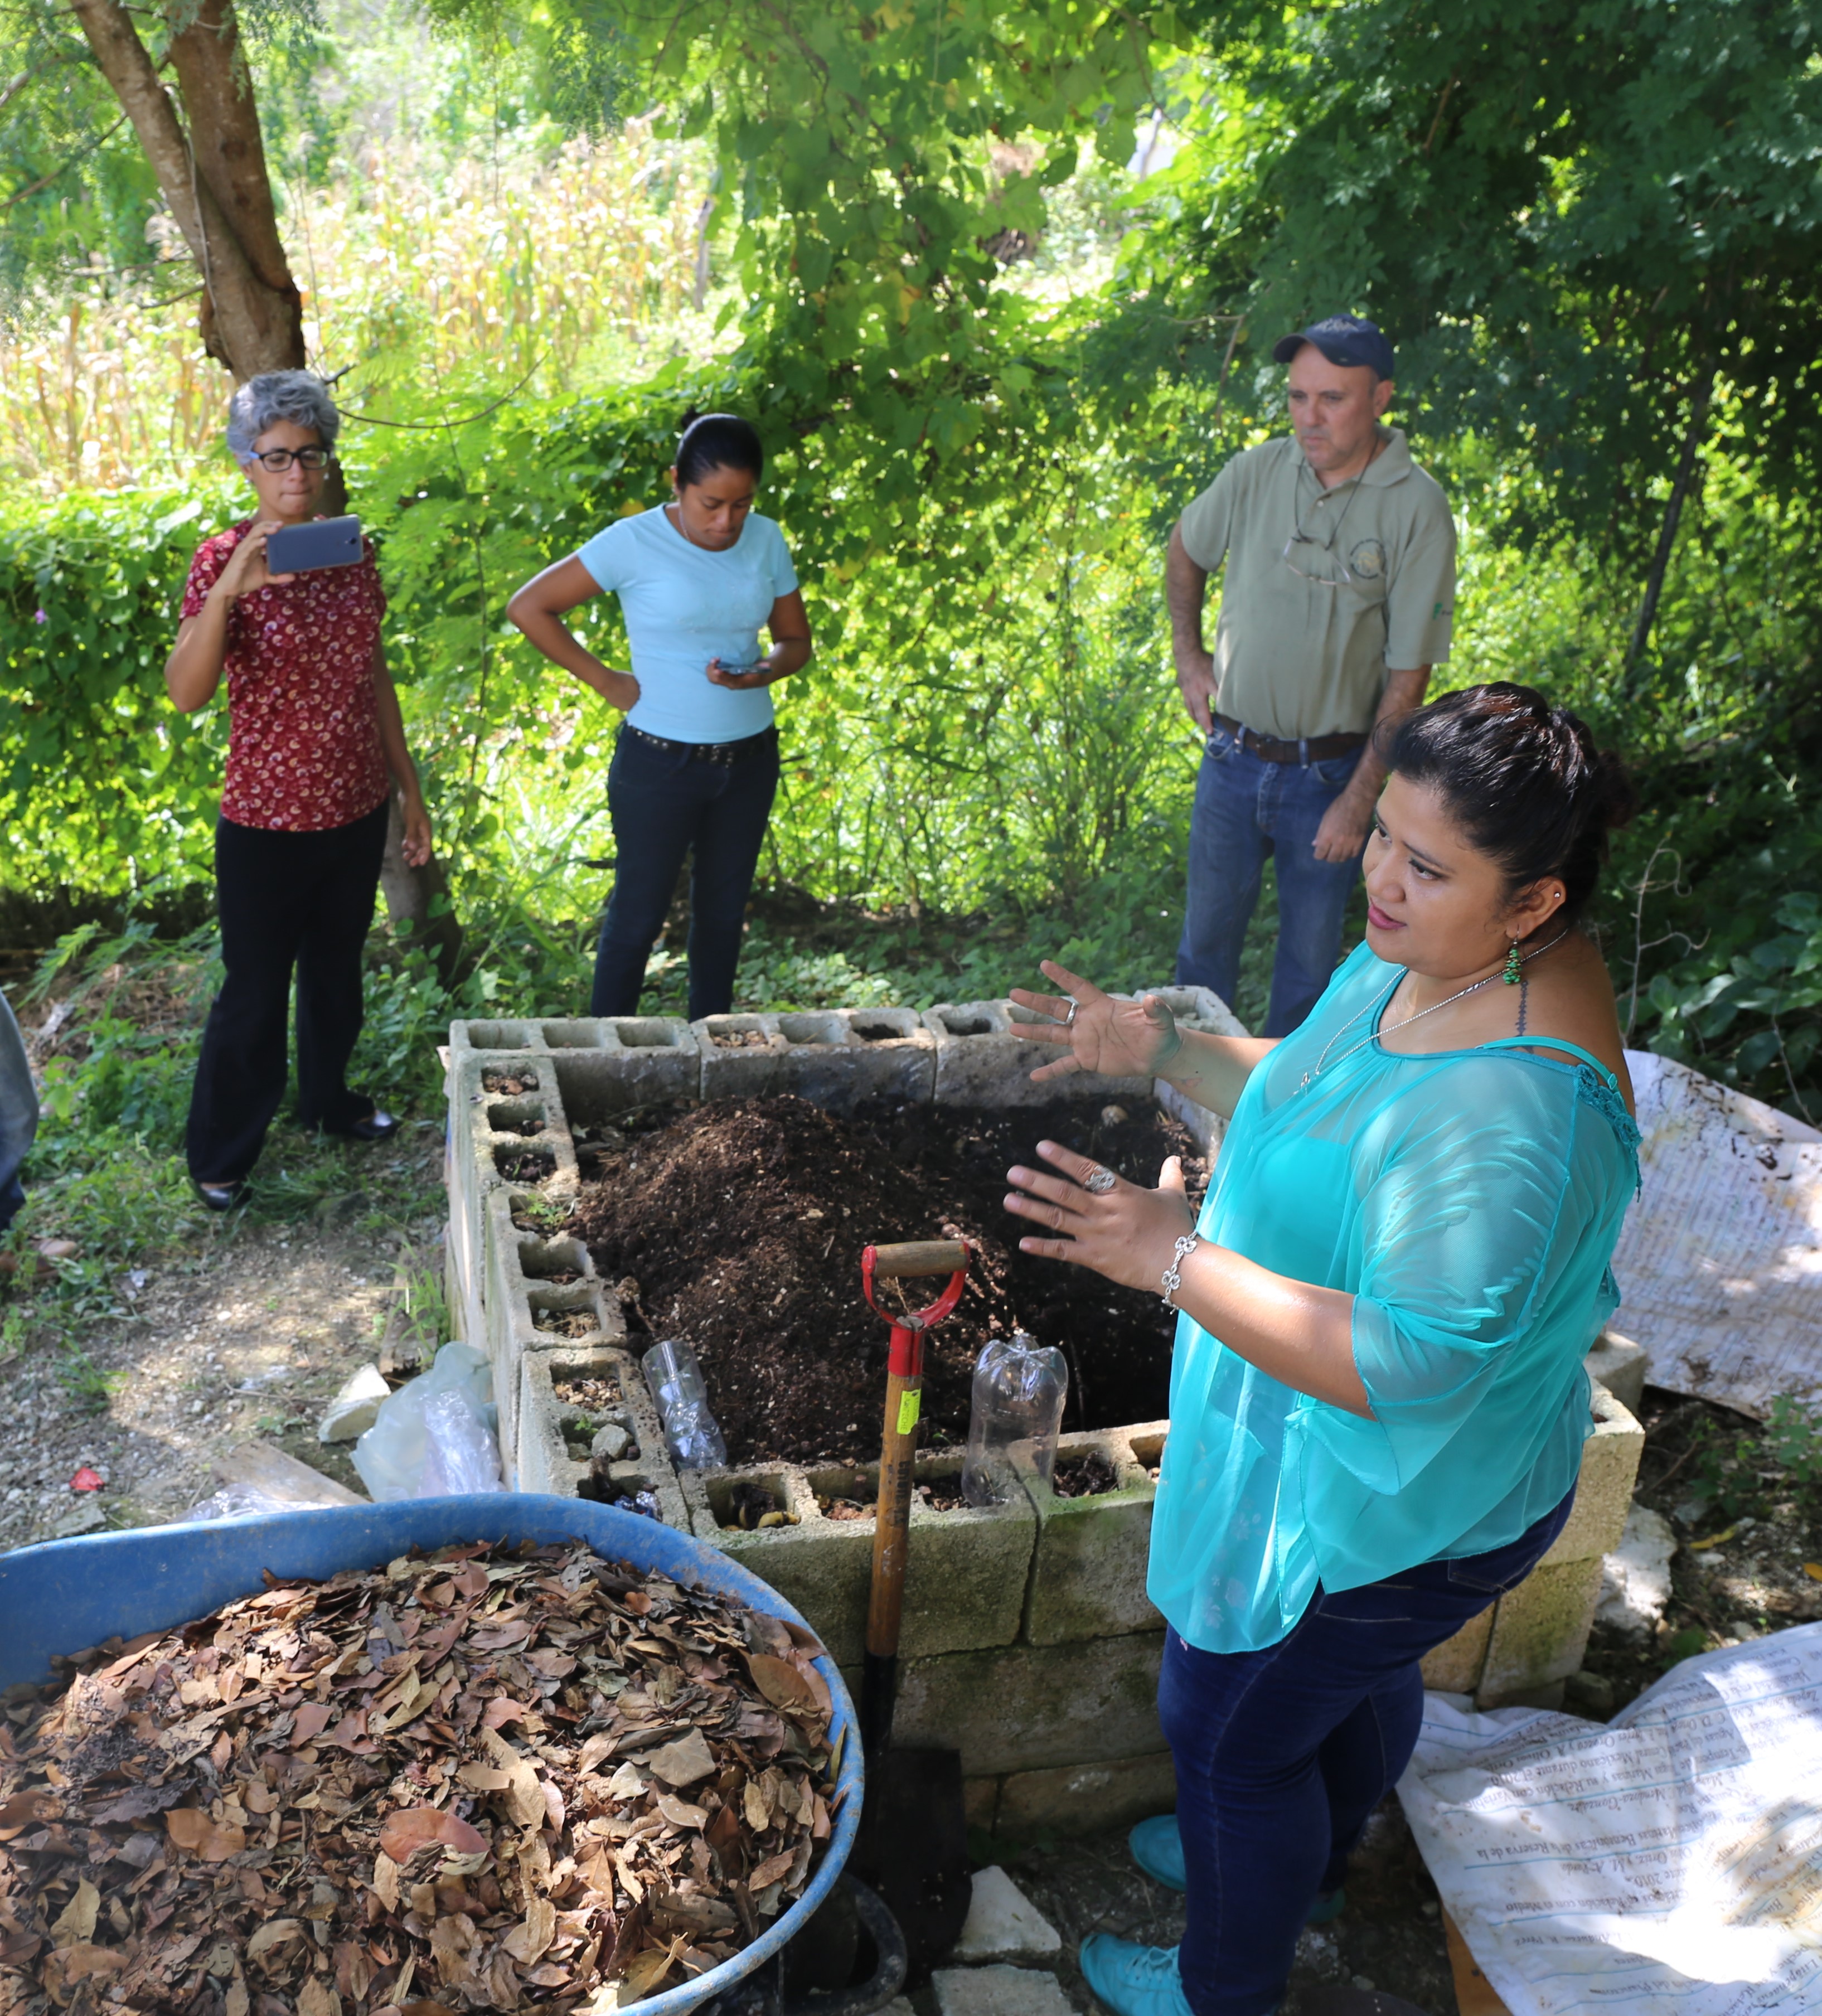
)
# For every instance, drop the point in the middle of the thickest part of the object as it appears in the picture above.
(324, 542)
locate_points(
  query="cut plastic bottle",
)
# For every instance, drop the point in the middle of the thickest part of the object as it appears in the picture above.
(691, 1431)
(1019, 1388)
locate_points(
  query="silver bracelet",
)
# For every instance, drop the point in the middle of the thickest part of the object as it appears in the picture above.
(1173, 1274)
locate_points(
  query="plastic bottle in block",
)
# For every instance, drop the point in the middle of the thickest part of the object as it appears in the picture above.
(1019, 1388)
(692, 1431)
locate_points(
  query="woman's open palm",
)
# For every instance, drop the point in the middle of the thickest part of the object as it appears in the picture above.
(1108, 1038)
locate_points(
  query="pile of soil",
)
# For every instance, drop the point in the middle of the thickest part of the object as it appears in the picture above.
(742, 1223)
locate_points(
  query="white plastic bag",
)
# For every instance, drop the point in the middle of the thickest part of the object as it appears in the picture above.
(245, 1501)
(435, 1437)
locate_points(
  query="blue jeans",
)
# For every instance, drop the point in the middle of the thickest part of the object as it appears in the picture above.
(665, 803)
(1282, 1755)
(1247, 808)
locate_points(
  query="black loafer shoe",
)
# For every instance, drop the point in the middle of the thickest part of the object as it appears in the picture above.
(220, 1197)
(377, 1126)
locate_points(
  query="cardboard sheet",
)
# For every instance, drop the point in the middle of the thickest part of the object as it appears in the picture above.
(1720, 1263)
(1670, 1861)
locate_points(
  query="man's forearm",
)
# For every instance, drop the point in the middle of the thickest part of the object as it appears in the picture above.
(1186, 589)
(1404, 692)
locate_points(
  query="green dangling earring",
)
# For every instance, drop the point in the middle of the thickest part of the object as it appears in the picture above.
(1514, 965)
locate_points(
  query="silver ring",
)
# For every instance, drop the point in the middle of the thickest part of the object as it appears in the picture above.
(1100, 1180)
(1069, 1020)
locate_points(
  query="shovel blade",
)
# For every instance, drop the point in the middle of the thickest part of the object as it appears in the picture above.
(913, 1850)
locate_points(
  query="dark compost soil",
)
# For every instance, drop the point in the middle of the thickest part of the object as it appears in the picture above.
(742, 1222)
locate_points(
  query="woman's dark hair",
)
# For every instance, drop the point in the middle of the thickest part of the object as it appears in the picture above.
(1523, 778)
(718, 441)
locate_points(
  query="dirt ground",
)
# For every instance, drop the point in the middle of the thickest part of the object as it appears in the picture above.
(1389, 1936)
(247, 1333)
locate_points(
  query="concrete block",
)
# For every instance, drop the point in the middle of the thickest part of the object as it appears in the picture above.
(1540, 1631)
(540, 1293)
(1621, 1366)
(555, 1433)
(1003, 1924)
(983, 1059)
(820, 1055)
(1088, 1567)
(1082, 1799)
(351, 1413)
(980, 1802)
(633, 1061)
(997, 1991)
(1032, 1708)
(1603, 1489)
(1454, 1666)
(965, 1579)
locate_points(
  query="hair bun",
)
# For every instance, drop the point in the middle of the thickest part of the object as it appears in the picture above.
(689, 419)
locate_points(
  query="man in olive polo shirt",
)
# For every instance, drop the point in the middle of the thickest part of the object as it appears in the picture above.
(1337, 599)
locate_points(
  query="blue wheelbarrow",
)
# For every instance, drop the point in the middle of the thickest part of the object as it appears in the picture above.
(67, 1595)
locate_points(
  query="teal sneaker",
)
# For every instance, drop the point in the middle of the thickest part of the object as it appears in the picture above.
(1158, 1848)
(1131, 1980)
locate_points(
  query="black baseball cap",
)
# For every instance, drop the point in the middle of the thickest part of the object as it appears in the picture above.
(1342, 339)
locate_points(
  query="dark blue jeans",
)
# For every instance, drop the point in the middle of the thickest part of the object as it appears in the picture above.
(667, 803)
(1282, 1755)
(1247, 808)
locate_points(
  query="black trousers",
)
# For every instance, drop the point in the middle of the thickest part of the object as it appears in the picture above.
(285, 900)
(666, 803)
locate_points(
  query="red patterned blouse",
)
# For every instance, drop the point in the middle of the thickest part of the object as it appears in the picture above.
(304, 750)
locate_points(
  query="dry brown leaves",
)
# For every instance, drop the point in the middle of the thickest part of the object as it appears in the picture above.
(491, 1779)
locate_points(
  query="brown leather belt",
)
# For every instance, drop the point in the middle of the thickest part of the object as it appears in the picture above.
(1313, 749)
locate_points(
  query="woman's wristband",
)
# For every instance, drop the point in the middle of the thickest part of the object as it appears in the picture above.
(1173, 1274)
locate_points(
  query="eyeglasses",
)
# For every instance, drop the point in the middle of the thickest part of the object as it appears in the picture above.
(1347, 579)
(1326, 547)
(279, 459)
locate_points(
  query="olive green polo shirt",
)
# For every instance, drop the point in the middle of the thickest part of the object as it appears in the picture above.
(1293, 656)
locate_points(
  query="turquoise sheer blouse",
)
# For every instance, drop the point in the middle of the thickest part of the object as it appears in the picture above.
(1469, 1201)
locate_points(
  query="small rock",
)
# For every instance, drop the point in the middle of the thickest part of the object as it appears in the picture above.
(1589, 1695)
(1635, 1578)
(353, 1410)
(1004, 1924)
(609, 1444)
(1114, 1116)
(88, 1518)
(997, 1991)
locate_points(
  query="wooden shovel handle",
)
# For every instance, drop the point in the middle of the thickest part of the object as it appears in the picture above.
(919, 1257)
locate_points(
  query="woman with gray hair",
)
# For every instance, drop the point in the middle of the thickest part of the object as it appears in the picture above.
(315, 744)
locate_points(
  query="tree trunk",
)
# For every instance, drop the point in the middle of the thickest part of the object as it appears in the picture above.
(212, 176)
(412, 904)
(1685, 475)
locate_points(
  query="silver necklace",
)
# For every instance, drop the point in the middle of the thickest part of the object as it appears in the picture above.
(1310, 1077)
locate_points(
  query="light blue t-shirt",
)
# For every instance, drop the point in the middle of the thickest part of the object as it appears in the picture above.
(685, 605)
(1469, 1201)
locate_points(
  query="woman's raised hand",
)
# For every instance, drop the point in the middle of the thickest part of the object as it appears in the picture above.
(246, 569)
(1110, 1038)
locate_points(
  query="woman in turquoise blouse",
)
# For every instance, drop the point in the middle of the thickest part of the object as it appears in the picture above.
(1377, 1398)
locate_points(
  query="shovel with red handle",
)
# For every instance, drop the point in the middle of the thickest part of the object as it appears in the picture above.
(914, 1843)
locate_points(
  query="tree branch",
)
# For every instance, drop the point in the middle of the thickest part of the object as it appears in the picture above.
(63, 167)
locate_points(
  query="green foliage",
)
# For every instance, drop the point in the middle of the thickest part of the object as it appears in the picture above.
(1738, 1471)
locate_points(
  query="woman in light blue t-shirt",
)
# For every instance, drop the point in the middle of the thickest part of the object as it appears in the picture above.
(696, 768)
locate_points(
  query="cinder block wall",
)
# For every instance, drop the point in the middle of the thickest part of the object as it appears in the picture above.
(1029, 1641)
